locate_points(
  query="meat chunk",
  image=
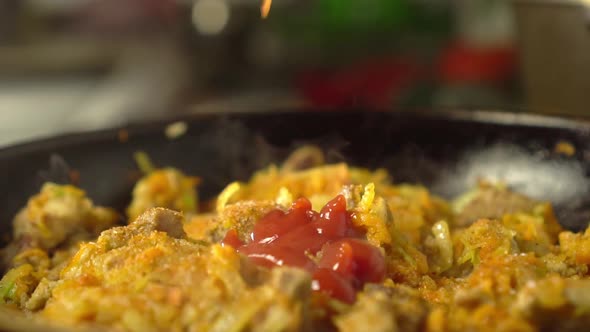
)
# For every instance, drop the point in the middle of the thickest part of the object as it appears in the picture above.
(56, 214)
(152, 220)
(162, 220)
(370, 313)
(40, 296)
(384, 308)
(490, 202)
(555, 304)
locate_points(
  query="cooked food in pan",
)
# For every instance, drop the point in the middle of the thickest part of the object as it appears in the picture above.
(301, 246)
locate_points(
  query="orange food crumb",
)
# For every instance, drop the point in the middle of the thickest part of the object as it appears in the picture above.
(265, 8)
(565, 148)
(123, 135)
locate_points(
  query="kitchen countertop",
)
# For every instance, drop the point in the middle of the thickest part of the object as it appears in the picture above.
(145, 80)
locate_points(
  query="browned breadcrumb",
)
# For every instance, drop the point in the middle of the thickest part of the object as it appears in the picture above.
(565, 148)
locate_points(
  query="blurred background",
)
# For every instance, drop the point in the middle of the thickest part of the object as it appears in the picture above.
(71, 65)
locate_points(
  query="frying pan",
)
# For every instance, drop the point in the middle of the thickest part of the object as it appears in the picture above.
(447, 151)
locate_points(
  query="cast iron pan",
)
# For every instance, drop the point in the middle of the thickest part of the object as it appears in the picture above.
(445, 151)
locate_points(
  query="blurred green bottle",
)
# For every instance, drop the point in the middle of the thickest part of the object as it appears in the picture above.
(336, 31)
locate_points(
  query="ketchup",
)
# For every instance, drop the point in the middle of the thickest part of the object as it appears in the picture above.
(326, 244)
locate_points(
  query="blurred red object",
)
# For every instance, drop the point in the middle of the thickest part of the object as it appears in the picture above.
(460, 63)
(376, 83)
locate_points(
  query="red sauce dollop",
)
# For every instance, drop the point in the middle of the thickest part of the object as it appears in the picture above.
(294, 238)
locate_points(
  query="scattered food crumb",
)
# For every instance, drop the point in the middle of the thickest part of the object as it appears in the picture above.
(565, 148)
(144, 162)
(265, 8)
(74, 176)
(176, 129)
(123, 135)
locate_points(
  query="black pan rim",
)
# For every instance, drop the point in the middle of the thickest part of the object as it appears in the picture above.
(496, 117)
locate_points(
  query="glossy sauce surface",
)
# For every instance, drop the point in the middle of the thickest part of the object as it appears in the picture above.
(326, 244)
